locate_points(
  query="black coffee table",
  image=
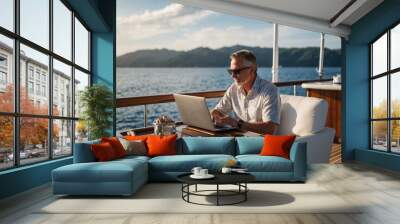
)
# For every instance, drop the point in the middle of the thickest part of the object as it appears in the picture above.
(238, 179)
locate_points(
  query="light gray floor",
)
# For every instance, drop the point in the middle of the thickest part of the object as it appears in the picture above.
(379, 189)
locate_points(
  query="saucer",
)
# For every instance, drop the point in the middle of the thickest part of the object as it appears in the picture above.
(208, 176)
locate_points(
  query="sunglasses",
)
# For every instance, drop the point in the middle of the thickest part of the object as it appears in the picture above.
(236, 71)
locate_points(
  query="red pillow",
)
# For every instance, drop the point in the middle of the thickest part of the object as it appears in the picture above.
(277, 145)
(103, 151)
(116, 145)
(161, 145)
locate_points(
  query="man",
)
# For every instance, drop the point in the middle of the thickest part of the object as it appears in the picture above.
(255, 102)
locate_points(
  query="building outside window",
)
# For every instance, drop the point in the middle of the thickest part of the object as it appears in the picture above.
(38, 89)
(43, 90)
(30, 72)
(30, 87)
(37, 74)
(3, 70)
(44, 77)
(3, 61)
(3, 78)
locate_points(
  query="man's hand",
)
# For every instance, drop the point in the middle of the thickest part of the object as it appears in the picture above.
(228, 121)
(217, 115)
(221, 119)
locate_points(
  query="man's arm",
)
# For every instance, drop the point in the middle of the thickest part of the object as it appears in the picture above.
(259, 127)
(223, 107)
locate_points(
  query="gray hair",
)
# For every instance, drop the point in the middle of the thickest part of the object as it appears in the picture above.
(247, 56)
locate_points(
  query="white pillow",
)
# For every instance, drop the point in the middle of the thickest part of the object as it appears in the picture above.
(302, 115)
(134, 147)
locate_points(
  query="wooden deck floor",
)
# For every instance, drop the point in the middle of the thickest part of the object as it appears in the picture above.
(378, 189)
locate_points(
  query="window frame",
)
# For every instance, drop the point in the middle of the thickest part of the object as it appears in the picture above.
(16, 114)
(388, 74)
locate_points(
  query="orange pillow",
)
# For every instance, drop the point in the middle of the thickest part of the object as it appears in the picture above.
(277, 145)
(116, 145)
(161, 145)
(103, 152)
(136, 137)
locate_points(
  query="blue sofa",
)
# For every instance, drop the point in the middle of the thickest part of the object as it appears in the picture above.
(125, 176)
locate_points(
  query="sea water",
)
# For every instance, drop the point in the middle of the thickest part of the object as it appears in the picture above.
(132, 82)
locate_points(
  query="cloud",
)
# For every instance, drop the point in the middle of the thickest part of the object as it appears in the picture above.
(177, 27)
(216, 37)
(151, 24)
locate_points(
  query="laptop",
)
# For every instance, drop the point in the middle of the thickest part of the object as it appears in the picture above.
(194, 112)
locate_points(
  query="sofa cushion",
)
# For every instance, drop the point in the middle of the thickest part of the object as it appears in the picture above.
(257, 163)
(207, 145)
(161, 145)
(249, 145)
(136, 137)
(277, 145)
(302, 115)
(103, 151)
(112, 171)
(131, 158)
(116, 145)
(185, 163)
(96, 172)
(134, 147)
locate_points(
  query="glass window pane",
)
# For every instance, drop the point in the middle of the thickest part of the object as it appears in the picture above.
(62, 138)
(81, 45)
(62, 89)
(81, 131)
(33, 139)
(395, 95)
(81, 81)
(34, 72)
(7, 14)
(379, 98)
(35, 21)
(6, 142)
(379, 56)
(6, 74)
(379, 135)
(62, 29)
(395, 136)
(395, 47)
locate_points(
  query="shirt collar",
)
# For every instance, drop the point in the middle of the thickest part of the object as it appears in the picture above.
(254, 88)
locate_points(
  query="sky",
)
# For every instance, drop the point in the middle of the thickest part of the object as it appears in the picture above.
(143, 24)
(35, 27)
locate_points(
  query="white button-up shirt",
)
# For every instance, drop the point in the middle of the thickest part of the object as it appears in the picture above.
(261, 104)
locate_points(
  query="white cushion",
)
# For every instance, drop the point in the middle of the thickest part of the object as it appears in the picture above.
(302, 115)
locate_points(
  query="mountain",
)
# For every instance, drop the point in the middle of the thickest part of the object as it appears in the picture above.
(206, 57)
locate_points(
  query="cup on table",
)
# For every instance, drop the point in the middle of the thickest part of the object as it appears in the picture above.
(203, 172)
(226, 170)
(196, 171)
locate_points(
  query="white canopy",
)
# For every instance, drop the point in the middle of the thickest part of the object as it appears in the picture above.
(326, 16)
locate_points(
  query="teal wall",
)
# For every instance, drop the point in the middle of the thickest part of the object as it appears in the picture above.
(104, 53)
(356, 85)
(99, 16)
(24, 178)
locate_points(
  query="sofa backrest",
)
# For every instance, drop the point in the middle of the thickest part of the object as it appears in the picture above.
(83, 152)
(249, 145)
(206, 145)
(302, 115)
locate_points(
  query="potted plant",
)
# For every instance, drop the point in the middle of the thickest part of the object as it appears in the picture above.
(96, 102)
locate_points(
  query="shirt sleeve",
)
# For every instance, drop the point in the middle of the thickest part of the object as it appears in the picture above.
(271, 106)
(225, 103)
